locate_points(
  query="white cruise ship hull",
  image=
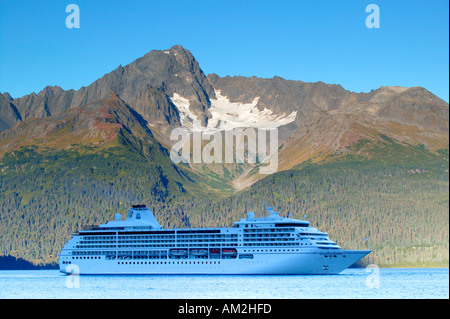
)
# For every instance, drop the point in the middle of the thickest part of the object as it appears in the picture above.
(301, 263)
(269, 245)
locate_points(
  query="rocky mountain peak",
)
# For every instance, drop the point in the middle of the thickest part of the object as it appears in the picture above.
(167, 86)
(51, 90)
(166, 72)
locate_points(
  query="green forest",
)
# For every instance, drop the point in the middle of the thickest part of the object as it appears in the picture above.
(398, 198)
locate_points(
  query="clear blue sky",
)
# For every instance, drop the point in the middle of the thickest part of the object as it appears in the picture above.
(309, 40)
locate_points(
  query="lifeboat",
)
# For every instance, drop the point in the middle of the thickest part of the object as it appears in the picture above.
(199, 252)
(229, 251)
(178, 252)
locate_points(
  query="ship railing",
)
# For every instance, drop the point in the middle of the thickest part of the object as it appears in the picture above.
(91, 227)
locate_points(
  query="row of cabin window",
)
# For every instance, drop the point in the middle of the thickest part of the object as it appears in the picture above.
(168, 262)
(275, 244)
(94, 242)
(158, 237)
(269, 230)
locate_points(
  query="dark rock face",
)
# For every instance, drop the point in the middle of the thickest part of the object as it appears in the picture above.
(98, 121)
(9, 115)
(171, 71)
(283, 96)
(413, 106)
(159, 74)
(280, 95)
(50, 101)
(417, 106)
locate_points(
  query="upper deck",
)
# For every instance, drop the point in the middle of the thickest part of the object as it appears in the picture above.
(273, 220)
(141, 230)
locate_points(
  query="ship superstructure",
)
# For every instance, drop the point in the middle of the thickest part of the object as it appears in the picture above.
(265, 245)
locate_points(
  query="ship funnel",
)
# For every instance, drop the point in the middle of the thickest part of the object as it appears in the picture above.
(141, 213)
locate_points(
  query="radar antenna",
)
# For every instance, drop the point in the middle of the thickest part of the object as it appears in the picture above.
(267, 207)
(272, 213)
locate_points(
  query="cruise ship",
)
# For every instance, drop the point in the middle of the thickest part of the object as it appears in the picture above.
(271, 245)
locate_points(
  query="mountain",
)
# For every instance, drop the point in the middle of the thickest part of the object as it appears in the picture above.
(9, 115)
(377, 161)
(169, 89)
(145, 84)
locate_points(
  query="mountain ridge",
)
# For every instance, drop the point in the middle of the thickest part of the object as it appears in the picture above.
(170, 71)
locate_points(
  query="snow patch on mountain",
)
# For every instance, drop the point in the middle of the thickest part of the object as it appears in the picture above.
(186, 116)
(226, 115)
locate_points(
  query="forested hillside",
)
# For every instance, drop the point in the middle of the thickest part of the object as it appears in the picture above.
(44, 197)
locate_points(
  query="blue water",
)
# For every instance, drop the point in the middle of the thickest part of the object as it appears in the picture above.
(352, 283)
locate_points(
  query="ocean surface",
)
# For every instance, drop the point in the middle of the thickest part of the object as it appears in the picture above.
(351, 284)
